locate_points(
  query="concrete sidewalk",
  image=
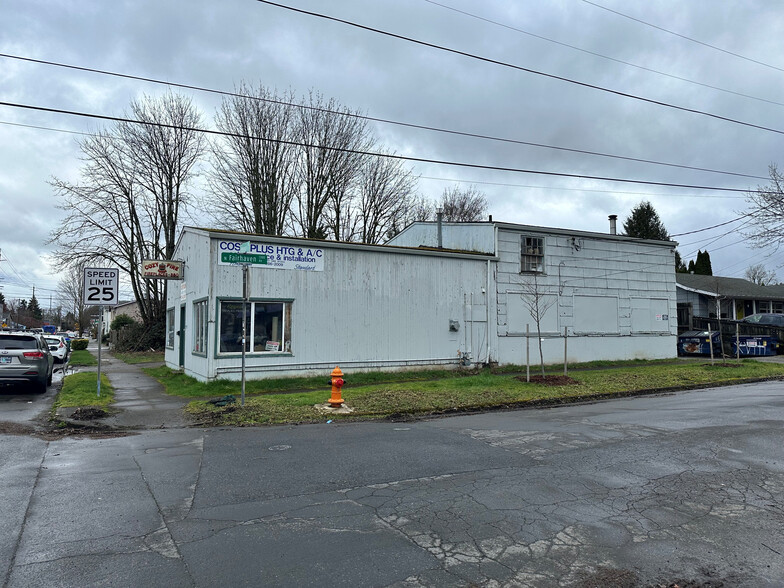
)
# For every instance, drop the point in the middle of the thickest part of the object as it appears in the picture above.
(140, 400)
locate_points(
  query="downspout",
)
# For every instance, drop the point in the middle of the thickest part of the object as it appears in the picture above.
(487, 313)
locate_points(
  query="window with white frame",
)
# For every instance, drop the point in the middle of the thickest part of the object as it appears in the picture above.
(170, 328)
(764, 306)
(268, 327)
(532, 255)
(200, 319)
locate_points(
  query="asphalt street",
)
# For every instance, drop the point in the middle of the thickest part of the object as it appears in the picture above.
(632, 492)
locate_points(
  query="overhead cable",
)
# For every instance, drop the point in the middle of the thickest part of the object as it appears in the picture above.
(377, 119)
(648, 24)
(525, 69)
(375, 153)
(595, 54)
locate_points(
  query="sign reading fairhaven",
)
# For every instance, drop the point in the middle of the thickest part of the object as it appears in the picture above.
(267, 255)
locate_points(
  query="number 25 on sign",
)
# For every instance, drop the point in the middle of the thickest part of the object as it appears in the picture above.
(101, 286)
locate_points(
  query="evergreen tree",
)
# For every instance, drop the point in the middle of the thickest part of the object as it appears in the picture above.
(691, 266)
(680, 267)
(34, 309)
(703, 264)
(644, 223)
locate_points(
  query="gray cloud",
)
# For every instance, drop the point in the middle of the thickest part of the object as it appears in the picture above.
(219, 44)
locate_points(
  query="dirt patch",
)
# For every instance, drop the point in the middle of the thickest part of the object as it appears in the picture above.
(16, 429)
(610, 578)
(722, 365)
(89, 413)
(550, 380)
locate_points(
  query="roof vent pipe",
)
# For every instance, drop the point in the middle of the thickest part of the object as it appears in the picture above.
(613, 218)
(439, 219)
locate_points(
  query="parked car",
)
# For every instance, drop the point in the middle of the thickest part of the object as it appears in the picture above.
(765, 318)
(58, 346)
(67, 338)
(25, 357)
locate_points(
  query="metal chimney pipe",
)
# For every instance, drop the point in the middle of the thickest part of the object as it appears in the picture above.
(613, 218)
(439, 219)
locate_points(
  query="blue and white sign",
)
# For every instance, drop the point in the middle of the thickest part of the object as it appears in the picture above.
(268, 255)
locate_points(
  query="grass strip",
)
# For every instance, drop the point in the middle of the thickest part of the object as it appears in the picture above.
(139, 357)
(82, 357)
(81, 390)
(452, 393)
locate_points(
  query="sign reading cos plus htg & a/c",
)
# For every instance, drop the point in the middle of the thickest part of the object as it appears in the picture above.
(271, 255)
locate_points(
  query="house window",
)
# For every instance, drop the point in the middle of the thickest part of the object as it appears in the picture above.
(200, 327)
(764, 306)
(170, 328)
(532, 255)
(778, 307)
(268, 327)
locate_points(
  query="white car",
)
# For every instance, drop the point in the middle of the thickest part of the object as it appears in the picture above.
(58, 347)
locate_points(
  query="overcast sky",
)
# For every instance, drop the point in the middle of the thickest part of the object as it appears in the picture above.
(219, 44)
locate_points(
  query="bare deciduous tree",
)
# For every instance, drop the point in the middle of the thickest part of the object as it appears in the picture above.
(385, 197)
(252, 178)
(759, 275)
(132, 190)
(463, 205)
(537, 301)
(766, 208)
(327, 166)
(71, 292)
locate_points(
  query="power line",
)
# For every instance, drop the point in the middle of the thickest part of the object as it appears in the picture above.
(374, 153)
(379, 120)
(714, 226)
(623, 193)
(461, 181)
(521, 68)
(648, 24)
(595, 54)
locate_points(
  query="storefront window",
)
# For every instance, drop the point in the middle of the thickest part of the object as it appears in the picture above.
(170, 328)
(268, 327)
(200, 327)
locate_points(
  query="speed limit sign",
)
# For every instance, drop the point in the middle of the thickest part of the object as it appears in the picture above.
(102, 286)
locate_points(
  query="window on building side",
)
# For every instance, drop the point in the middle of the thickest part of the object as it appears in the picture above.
(532, 255)
(170, 328)
(268, 327)
(764, 306)
(200, 327)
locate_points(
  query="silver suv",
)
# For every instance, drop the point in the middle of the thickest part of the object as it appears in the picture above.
(25, 357)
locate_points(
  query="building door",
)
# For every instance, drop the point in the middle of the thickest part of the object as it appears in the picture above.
(748, 308)
(182, 336)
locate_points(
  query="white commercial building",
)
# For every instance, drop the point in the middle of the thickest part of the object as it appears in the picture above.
(317, 304)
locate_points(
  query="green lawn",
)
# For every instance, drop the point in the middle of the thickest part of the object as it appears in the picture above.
(82, 357)
(140, 357)
(81, 390)
(380, 395)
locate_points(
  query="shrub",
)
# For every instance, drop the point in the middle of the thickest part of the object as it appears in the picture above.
(79, 344)
(139, 337)
(120, 321)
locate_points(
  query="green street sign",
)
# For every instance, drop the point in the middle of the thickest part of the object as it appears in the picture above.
(251, 258)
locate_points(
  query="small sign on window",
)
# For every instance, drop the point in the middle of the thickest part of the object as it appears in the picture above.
(272, 346)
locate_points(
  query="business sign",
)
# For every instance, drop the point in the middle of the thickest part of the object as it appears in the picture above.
(102, 286)
(267, 255)
(162, 269)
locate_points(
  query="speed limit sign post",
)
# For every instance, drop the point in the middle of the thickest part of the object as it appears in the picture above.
(102, 288)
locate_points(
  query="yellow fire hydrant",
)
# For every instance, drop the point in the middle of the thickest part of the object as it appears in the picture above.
(337, 382)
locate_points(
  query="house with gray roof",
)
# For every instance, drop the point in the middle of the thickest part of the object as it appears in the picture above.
(727, 298)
